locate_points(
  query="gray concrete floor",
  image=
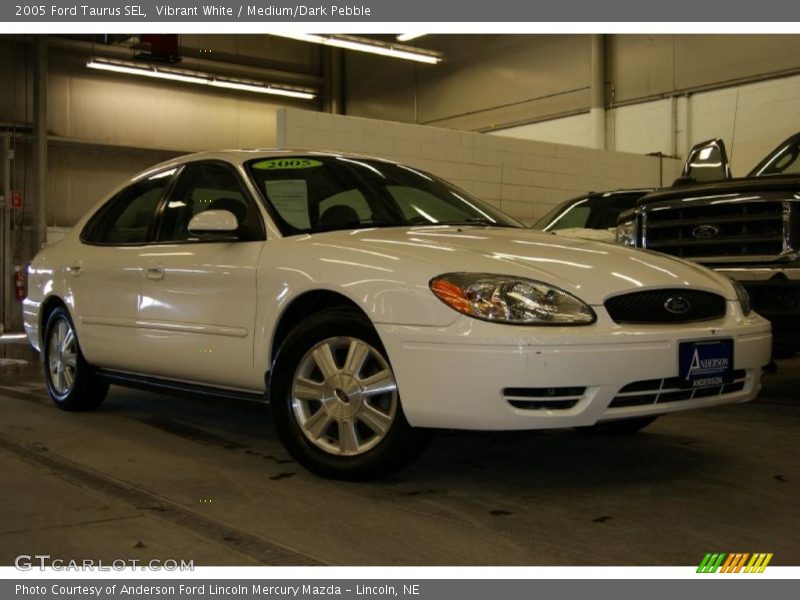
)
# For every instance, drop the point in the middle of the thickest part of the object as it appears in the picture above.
(152, 476)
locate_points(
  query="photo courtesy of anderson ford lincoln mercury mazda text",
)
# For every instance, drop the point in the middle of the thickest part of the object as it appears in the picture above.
(371, 302)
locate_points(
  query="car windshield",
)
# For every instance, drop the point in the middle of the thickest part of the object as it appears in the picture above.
(589, 212)
(784, 160)
(307, 194)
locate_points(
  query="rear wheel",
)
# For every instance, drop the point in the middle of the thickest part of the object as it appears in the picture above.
(620, 427)
(335, 402)
(71, 381)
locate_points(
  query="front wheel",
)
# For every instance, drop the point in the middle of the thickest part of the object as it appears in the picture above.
(71, 382)
(335, 402)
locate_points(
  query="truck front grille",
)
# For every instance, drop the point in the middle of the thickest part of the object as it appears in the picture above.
(719, 232)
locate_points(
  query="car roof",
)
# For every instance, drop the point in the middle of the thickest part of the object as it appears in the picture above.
(240, 156)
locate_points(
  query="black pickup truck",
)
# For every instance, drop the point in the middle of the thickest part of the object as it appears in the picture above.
(747, 228)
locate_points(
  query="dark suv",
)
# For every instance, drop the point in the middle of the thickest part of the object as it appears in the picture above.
(747, 228)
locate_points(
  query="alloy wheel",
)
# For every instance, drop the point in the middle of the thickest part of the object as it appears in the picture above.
(344, 396)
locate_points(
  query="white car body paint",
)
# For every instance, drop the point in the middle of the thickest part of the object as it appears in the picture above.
(206, 313)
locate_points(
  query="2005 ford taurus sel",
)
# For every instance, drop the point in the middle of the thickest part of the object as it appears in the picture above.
(370, 302)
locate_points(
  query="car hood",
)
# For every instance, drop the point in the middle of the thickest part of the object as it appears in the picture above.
(593, 271)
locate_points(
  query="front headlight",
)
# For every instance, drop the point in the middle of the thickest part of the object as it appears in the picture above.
(508, 299)
(626, 233)
(743, 296)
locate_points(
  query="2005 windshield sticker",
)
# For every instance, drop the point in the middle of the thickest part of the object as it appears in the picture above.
(286, 163)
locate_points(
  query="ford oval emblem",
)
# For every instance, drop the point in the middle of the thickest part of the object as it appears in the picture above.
(705, 232)
(677, 305)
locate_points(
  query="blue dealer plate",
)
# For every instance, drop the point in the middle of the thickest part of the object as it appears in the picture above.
(706, 363)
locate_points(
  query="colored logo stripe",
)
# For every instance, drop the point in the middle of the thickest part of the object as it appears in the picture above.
(734, 562)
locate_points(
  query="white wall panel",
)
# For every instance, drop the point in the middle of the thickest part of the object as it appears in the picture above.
(523, 177)
(752, 119)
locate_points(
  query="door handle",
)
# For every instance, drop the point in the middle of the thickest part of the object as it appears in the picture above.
(154, 270)
(75, 268)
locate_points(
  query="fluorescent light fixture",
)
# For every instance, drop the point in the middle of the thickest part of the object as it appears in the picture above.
(132, 68)
(261, 89)
(407, 37)
(144, 70)
(360, 44)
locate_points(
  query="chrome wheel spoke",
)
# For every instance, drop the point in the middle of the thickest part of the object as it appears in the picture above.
(380, 383)
(357, 354)
(68, 377)
(323, 357)
(376, 420)
(348, 437)
(70, 360)
(305, 389)
(60, 379)
(317, 424)
(69, 338)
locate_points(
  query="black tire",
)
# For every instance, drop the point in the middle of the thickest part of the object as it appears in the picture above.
(400, 445)
(86, 390)
(620, 427)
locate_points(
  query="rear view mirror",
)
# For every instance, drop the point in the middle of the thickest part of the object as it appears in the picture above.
(707, 161)
(214, 221)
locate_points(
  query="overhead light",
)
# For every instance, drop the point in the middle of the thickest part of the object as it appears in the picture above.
(159, 72)
(143, 70)
(261, 89)
(407, 37)
(360, 44)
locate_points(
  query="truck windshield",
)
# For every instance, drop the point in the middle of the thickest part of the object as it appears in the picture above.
(784, 160)
(590, 212)
(307, 194)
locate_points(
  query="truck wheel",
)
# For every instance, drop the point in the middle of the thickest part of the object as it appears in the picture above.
(71, 381)
(335, 402)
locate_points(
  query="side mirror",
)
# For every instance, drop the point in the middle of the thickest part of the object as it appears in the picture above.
(214, 221)
(707, 161)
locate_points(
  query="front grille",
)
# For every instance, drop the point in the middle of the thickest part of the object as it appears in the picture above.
(663, 391)
(718, 232)
(559, 398)
(652, 306)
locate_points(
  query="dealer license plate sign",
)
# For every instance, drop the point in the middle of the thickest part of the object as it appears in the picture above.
(706, 363)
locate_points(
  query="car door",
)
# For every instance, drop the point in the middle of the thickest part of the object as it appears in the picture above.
(104, 272)
(197, 307)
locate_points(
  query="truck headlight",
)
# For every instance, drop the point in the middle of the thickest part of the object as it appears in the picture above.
(509, 299)
(743, 296)
(626, 233)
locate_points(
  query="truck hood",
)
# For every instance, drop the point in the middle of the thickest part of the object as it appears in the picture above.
(592, 271)
(769, 184)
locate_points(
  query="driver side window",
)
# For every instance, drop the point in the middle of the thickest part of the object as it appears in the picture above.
(206, 186)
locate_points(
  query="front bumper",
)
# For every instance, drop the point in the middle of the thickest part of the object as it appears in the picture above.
(470, 375)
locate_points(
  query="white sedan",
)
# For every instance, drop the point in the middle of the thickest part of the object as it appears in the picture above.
(371, 302)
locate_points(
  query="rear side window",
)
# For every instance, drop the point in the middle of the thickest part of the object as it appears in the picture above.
(128, 217)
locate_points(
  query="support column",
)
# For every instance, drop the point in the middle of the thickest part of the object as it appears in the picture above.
(40, 144)
(597, 111)
(332, 76)
(6, 268)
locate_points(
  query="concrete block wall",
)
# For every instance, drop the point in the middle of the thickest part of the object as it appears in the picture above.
(752, 118)
(524, 178)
